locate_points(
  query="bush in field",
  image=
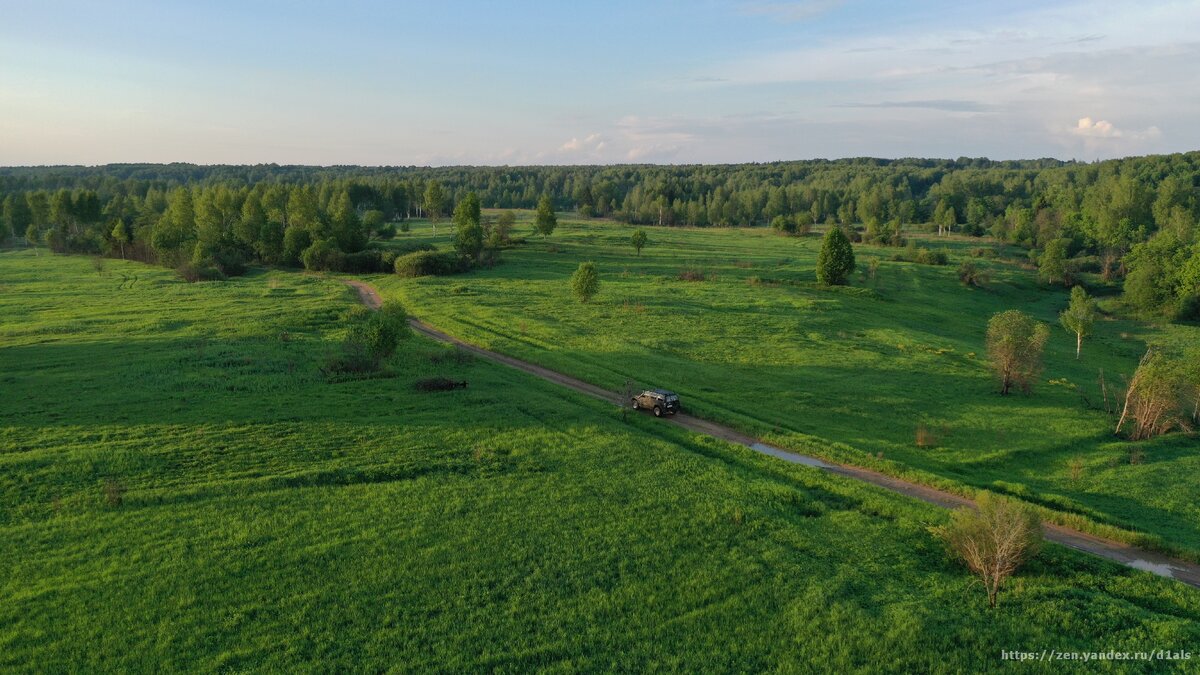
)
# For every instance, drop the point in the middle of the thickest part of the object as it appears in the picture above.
(926, 256)
(993, 541)
(427, 263)
(369, 261)
(1079, 317)
(970, 274)
(585, 283)
(638, 239)
(324, 255)
(783, 225)
(1014, 343)
(370, 338)
(835, 262)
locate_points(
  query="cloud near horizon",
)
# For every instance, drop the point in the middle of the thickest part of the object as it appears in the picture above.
(728, 81)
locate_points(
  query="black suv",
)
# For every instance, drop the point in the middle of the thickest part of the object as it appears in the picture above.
(661, 401)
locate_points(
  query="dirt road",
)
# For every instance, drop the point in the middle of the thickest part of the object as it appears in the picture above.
(1149, 561)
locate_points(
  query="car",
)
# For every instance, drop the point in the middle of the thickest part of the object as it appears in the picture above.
(661, 401)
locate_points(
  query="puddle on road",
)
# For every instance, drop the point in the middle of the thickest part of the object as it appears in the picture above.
(788, 456)
(1162, 570)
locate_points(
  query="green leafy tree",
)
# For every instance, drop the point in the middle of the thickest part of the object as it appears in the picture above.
(1053, 266)
(468, 227)
(17, 216)
(994, 540)
(835, 262)
(345, 224)
(499, 236)
(638, 239)
(175, 233)
(296, 240)
(1014, 343)
(545, 221)
(435, 202)
(33, 235)
(585, 283)
(121, 235)
(468, 240)
(1079, 317)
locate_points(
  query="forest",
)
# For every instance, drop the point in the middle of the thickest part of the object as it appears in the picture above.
(1132, 221)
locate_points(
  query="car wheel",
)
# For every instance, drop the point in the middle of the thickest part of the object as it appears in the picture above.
(635, 405)
(657, 411)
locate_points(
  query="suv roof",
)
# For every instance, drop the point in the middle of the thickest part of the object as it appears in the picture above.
(663, 392)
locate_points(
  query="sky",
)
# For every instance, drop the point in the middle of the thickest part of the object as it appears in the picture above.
(593, 82)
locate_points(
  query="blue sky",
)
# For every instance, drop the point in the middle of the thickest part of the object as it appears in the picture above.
(593, 82)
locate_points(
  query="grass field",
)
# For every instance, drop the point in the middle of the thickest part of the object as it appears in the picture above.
(181, 489)
(850, 373)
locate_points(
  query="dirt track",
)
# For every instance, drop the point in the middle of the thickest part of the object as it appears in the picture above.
(1157, 563)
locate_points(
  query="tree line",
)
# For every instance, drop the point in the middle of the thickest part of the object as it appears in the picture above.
(1132, 221)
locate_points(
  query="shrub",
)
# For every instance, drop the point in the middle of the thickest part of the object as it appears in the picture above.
(835, 262)
(970, 274)
(993, 541)
(692, 274)
(1188, 308)
(783, 225)
(387, 231)
(585, 283)
(926, 256)
(1014, 343)
(324, 255)
(381, 332)
(364, 262)
(1161, 397)
(427, 263)
(193, 272)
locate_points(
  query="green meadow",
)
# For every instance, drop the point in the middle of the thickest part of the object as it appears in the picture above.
(732, 319)
(182, 489)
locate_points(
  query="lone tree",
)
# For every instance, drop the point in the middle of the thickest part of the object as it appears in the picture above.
(585, 283)
(1079, 316)
(435, 202)
(993, 541)
(638, 239)
(545, 221)
(1014, 343)
(836, 260)
(468, 230)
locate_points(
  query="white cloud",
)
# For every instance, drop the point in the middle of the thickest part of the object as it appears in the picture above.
(1095, 129)
(590, 143)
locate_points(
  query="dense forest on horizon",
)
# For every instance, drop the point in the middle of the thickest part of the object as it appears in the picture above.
(1131, 220)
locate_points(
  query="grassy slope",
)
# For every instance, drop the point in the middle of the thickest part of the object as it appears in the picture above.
(859, 367)
(276, 521)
